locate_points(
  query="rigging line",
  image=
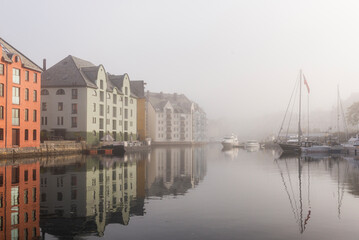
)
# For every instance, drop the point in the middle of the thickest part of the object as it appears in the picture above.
(291, 114)
(309, 186)
(342, 193)
(286, 190)
(344, 119)
(291, 186)
(290, 100)
(300, 195)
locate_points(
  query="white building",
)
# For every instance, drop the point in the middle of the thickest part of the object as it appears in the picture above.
(82, 101)
(173, 118)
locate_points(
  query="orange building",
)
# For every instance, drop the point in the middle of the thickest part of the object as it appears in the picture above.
(19, 201)
(138, 88)
(20, 86)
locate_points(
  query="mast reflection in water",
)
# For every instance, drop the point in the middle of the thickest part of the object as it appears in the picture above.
(81, 195)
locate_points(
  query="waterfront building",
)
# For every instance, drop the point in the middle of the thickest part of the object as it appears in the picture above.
(19, 201)
(138, 88)
(173, 118)
(82, 101)
(20, 84)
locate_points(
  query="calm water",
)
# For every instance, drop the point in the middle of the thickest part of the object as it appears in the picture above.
(181, 193)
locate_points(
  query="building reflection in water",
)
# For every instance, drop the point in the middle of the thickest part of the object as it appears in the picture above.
(19, 199)
(80, 195)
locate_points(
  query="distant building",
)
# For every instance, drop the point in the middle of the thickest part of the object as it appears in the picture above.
(20, 84)
(82, 101)
(173, 118)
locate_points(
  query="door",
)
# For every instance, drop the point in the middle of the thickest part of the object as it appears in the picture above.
(15, 137)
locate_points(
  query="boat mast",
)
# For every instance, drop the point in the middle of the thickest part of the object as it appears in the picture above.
(338, 115)
(300, 105)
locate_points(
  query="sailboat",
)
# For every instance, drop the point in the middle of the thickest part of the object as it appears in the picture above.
(293, 146)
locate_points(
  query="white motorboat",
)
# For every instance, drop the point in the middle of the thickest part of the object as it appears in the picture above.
(352, 142)
(230, 141)
(252, 144)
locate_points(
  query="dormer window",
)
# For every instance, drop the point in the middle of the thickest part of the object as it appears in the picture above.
(101, 84)
(60, 92)
(44, 92)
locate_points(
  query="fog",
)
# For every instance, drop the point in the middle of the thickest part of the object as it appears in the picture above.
(239, 60)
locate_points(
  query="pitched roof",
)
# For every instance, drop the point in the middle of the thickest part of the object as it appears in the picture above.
(71, 71)
(8, 51)
(138, 88)
(180, 103)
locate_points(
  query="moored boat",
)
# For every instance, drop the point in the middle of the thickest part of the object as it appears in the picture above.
(230, 141)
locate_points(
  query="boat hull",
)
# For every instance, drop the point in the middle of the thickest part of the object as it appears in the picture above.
(290, 148)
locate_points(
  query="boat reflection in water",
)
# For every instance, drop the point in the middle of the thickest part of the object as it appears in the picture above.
(298, 185)
(81, 195)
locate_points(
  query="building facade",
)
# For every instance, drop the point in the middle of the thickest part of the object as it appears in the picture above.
(173, 118)
(82, 101)
(138, 88)
(20, 84)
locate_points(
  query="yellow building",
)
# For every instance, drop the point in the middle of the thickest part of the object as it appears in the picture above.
(138, 88)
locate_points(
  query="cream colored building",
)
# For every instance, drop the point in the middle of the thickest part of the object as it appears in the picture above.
(82, 101)
(169, 118)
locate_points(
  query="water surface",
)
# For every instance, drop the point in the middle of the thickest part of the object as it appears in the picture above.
(184, 193)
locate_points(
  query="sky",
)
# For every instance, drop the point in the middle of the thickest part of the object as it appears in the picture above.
(237, 59)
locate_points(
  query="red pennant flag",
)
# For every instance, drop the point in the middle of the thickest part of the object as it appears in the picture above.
(306, 83)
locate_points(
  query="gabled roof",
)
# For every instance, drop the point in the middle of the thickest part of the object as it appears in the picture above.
(117, 81)
(8, 51)
(180, 103)
(70, 72)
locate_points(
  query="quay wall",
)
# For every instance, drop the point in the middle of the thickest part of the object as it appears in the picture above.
(48, 148)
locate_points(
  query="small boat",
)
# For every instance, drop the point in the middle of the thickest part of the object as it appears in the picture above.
(230, 141)
(311, 147)
(252, 144)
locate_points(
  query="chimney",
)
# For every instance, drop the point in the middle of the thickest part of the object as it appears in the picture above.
(44, 64)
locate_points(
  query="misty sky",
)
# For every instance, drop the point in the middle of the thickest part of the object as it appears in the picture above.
(237, 59)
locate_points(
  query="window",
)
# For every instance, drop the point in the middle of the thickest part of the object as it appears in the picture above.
(44, 92)
(60, 106)
(26, 175)
(59, 196)
(114, 112)
(73, 194)
(126, 101)
(26, 75)
(26, 196)
(34, 117)
(1, 112)
(33, 215)
(74, 93)
(101, 123)
(131, 113)
(1, 69)
(34, 194)
(26, 217)
(1, 90)
(16, 75)
(60, 121)
(126, 91)
(43, 197)
(73, 180)
(26, 134)
(126, 113)
(60, 92)
(34, 134)
(74, 108)
(101, 96)
(93, 120)
(14, 221)
(15, 117)
(74, 122)
(26, 94)
(26, 114)
(94, 107)
(108, 109)
(43, 120)
(14, 196)
(15, 95)
(114, 98)
(101, 84)
(35, 77)
(35, 95)
(1, 134)
(114, 124)
(43, 106)
(101, 110)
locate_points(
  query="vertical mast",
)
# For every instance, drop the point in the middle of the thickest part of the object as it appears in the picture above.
(338, 114)
(300, 105)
